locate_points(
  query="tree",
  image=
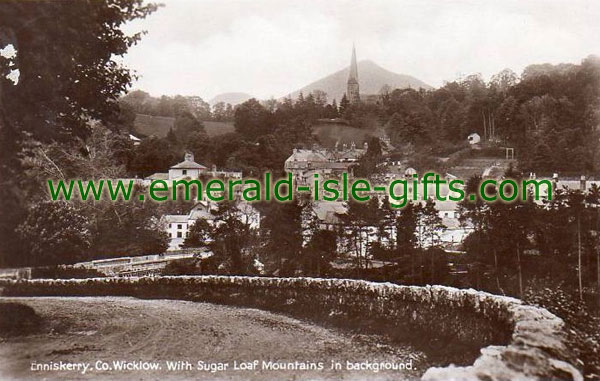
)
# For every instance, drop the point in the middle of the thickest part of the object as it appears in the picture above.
(475, 213)
(199, 234)
(406, 230)
(367, 164)
(116, 228)
(504, 80)
(54, 233)
(67, 57)
(359, 221)
(577, 207)
(123, 228)
(229, 238)
(319, 252)
(152, 155)
(344, 105)
(282, 229)
(432, 227)
(53, 100)
(252, 120)
(219, 111)
(187, 125)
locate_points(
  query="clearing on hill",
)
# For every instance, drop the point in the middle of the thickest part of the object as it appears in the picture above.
(159, 126)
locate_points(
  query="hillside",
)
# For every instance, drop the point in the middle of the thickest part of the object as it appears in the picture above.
(231, 98)
(159, 126)
(371, 78)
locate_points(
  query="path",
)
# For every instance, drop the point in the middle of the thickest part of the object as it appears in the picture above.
(111, 329)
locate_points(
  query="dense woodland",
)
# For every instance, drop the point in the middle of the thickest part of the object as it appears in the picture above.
(51, 127)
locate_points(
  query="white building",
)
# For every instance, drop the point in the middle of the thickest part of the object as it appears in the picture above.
(178, 225)
(136, 141)
(474, 138)
(187, 168)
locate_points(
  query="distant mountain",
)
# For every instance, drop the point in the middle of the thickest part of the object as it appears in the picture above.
(232, 98)
(371, 78)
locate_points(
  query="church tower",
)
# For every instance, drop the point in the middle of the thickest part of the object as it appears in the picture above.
(352, 92)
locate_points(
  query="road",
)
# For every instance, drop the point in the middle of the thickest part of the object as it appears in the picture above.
(106, 329)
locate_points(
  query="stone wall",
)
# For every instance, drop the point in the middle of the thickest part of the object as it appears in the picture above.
(517, 341)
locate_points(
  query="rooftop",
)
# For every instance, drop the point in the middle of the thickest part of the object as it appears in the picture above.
(187, 164)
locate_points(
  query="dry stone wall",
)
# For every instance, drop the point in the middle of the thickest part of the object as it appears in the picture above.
(514, 341)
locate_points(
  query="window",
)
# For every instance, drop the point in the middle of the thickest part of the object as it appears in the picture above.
(184, 171)
(179, 226)
(179, 234)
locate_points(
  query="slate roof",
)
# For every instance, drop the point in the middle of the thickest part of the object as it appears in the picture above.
(186, 164)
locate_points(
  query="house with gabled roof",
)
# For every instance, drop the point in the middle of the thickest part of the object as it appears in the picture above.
(187, 168)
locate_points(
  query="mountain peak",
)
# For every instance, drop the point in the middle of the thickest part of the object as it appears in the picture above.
(371, 78)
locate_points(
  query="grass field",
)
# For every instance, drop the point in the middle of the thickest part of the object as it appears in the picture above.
(159, 126)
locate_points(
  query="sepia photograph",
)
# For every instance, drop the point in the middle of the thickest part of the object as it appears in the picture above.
(284, 190)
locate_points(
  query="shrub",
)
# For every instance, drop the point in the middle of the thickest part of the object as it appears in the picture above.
(583, 327)
(64, 272)
(18, 319)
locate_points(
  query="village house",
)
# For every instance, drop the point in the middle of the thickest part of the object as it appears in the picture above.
(581, 183)
(188, 168)
(177, 226)
(303, 164)
(474, 138)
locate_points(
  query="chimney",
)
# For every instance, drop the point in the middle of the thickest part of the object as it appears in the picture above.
(295, 150)
(214, 168)
(582, 183)
(189, 156)
(366, 145)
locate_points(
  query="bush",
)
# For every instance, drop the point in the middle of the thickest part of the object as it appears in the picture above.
(583, 327)
(18, 319)
(187, 266)
(64, 272)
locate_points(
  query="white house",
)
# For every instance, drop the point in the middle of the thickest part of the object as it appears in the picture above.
(178, 225)
(187, 168)
(474, 138)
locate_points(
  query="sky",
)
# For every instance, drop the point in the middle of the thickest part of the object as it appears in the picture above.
(272, 47)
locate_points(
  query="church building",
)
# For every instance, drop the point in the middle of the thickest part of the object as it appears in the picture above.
(352, 92)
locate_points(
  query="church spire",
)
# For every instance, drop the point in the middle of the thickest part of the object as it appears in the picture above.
(353, 66)
(352, 91)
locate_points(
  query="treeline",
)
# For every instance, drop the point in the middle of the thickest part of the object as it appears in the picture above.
(265, 134)
(140, 102)
(549, 115)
